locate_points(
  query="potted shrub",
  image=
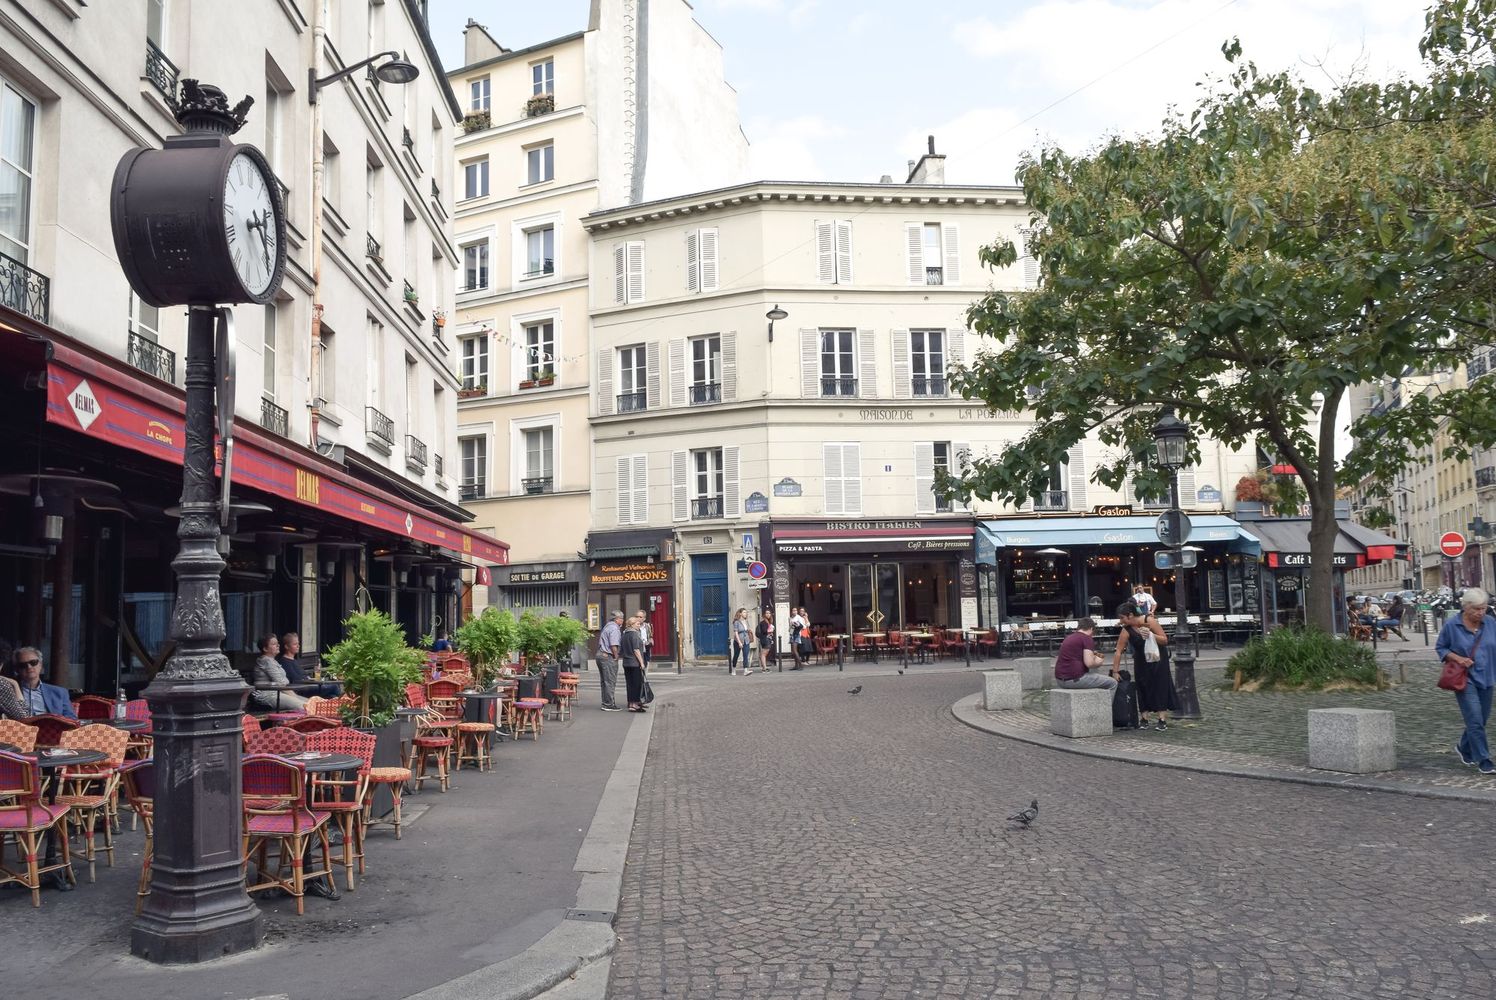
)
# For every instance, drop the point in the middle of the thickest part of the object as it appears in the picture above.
(481, 389)
(488, 640)
(439, 318)
(545, 376)
(475, 121)
(411, 296)
(540, 104)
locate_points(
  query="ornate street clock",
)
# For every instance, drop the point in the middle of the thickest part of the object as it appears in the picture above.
(200, 221)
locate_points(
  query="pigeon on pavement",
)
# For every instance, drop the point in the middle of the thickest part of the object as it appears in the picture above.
(856, 690)
(1027, 816)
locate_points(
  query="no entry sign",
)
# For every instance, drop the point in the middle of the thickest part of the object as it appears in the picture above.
(1452, 544)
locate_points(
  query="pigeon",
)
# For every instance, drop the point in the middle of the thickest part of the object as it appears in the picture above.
(856, 690)
(1027, 816)
(901, 673)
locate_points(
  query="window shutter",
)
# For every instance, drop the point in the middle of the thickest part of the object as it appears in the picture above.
(832, 478)
(636, 272)
(641, 489)
(950, 241)
(625, 491)
(680, 466)
(914, 237)
(1027, 259)
(810, 364)
(732, 504)
(867, 365)
(730, 365)
(825, 254)
(709, 260)
(844, 252)
(903, 385)
(620, 273)
(955, 348)
(924, 478)
(1077, 484)
(693, 260)
(678, 372)
(852, 478)
(1187, 487)
(604, 382)
(652, 399)
(960, 462)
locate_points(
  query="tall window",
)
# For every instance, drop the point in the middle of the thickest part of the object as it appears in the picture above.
(332, 178)
(328, 369)
(478, 93)
(1054, 495)
(412, 409)
(475, 179)
(632, 392)
(155, 23)
(145, 321)
(543, 77)
(540, 163)
(474, 361)
(706, 483)
(371, 198)
(375, 348)
(17, 141)
(539, 444)
(474, 467)
(268, 354)
(474, 266)
(838, 374)
(934, 274)
(706, 369)
(540, 252)
(274, 113)
(540, 350)
(927, 358)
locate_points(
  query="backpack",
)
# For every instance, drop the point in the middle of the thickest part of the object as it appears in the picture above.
(1125, 702)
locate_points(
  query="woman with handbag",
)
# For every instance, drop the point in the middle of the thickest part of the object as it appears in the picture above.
(742, 644)
(1150, 661)
(1467, 647)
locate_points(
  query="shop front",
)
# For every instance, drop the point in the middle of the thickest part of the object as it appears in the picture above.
(633, 571)
(1286, 561)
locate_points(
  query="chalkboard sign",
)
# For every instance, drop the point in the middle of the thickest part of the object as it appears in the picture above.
(1215, 582)
(1251, 603)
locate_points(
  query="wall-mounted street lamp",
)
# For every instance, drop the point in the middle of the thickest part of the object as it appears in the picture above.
(396, 71)
(774, 315)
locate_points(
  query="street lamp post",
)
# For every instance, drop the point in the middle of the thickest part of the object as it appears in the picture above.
(1171, 444)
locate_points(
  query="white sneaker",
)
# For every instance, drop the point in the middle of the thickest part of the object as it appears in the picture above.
(746, 674)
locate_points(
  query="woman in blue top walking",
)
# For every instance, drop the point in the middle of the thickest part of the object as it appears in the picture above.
(1469, 641)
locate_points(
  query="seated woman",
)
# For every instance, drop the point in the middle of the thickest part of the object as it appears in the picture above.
(270, 673)
(1393, 622)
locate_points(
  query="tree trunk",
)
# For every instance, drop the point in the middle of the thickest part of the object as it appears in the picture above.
(1322, 533)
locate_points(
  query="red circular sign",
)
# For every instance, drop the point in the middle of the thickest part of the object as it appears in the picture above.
(1452, 544)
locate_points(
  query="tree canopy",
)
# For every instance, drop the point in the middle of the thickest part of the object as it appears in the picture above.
(1246, 266)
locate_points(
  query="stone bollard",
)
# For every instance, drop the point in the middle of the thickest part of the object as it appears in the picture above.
(1003, 689)
(1036, 671)
(1080, 712)
(1352, 740)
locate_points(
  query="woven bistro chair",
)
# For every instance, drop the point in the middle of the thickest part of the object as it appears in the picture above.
(275, 812)
(21, 735)
(529, 715)
(91, 791)
(138, 779)
(93, 708)
(249, 725)
(141, 743)
(279, 740)
(310, 725)
(49, 729)
(475, 738)
(345, 798)
(432, 744)
(25, 819)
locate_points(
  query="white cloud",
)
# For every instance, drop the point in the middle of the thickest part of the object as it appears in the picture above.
(784, 148)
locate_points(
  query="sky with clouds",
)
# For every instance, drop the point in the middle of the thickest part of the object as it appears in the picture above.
(848, 89)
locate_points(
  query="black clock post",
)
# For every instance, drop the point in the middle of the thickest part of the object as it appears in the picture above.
(170, 209)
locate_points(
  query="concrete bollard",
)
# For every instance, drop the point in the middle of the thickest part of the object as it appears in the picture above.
(1037, 672)
(1352, 740)
(1080, 712)
(1003, 689)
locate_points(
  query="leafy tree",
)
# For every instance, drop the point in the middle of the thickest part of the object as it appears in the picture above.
(374, 664)
(1247, 266)
(487, 640)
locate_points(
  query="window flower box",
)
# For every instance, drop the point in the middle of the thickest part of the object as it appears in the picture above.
(476, 121)
(540, 104)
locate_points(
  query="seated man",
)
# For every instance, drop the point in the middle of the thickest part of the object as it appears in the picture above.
(1072, 667)
(443, 644)
(290, 644)
(39, 698)
(269, 672)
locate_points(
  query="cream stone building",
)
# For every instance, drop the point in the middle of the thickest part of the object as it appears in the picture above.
(553, 132)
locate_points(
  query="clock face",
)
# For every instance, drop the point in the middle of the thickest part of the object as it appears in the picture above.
(250, 224)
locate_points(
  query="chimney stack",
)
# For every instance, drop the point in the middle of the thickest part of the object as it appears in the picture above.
(478, 45)
(930, 169)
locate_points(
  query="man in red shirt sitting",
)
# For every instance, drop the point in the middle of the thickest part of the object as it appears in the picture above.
(1072, 667)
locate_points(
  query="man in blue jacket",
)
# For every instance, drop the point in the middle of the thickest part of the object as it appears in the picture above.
(41, 699)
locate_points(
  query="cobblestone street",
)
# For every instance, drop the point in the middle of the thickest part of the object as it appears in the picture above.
(795, 841)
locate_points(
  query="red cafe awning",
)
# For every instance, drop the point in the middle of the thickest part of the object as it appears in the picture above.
(94, 396)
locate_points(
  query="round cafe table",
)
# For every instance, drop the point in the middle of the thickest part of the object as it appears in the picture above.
(128, 725)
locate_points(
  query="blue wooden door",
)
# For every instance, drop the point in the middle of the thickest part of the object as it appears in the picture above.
(709, 584)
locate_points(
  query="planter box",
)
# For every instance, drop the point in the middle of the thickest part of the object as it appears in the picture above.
(471, 393)
(387, 753)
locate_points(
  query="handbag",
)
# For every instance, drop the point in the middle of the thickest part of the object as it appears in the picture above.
(1151, 651)
(648, 694)
(1452, 677)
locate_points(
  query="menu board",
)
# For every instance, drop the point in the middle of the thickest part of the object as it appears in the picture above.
(1251, 602)
(1215, 585)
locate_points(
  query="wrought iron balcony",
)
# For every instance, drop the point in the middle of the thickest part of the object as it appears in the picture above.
(929, 385)
(538, 484)
(379, 426)
(151, 358)
(372, 249)
(706, 508)
(275, 419)
(1154, 503)
(1052, 500)
(838, 386)
(706, 392)
(934, 276)
(632, 402)
(161, 71)
(408, 142)
(472, 491)
(415, 453)
(1485, 477)
(547, 266)
(26, 291)
(1479, 364)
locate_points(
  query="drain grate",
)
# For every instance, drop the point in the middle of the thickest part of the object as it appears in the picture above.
(596, 916)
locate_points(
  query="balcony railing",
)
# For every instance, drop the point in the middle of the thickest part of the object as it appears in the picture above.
(632, 402)
(151, 358)
(537, 484)
(372, 249)
(275, 419)
(408, 142)
(415, 453)
(1154, 503)
(161, 71)
(472, 491)
(934, 276)
(26, 291)
(1052, 500)
(1480, 364)
(706, 508)
(929, 385)
(1485, 476)
(440, 468)
(838, 386)
(547, 266)
(706, 392)
(379, 426)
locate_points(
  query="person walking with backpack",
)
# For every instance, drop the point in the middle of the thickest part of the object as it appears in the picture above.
(1150, 662)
